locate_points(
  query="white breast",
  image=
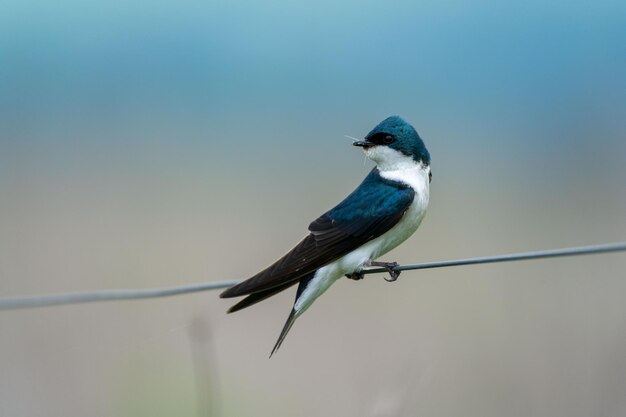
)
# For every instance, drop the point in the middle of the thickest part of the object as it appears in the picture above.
(396, 166)
(417, 177)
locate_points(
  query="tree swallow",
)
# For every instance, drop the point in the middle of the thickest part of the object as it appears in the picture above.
(380, 214)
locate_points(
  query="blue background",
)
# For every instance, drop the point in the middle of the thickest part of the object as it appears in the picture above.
(162, 143)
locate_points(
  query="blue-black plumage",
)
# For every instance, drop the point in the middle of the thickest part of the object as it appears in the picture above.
(383, 211)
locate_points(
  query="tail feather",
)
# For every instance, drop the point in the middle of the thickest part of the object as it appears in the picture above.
(304, 282)
(290, 321)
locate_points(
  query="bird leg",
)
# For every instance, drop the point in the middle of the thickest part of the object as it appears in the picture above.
(390, 267)
(356, 275)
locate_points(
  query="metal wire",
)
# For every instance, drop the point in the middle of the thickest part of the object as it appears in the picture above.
(555, 253)
(11, 303)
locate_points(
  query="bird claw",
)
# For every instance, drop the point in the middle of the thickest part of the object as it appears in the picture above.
(393, 272)
(391, 267)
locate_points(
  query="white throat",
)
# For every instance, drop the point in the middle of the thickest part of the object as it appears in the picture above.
(396, 166)
(388, 159)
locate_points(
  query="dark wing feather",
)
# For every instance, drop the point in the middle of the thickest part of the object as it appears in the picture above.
(259, 296)
(371, 210)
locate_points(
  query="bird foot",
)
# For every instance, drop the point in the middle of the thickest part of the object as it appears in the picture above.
(391, 267)
(357, 275)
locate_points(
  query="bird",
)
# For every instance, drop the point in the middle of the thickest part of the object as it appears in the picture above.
(381, 213)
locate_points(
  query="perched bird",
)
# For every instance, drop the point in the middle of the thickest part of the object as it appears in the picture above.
(380, 214)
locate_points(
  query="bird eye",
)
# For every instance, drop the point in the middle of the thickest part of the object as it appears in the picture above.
(381, 139)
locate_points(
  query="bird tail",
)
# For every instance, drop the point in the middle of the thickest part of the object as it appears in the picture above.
(290, 321)
(304, 282)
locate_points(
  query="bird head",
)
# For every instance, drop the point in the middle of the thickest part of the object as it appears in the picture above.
(393, 144)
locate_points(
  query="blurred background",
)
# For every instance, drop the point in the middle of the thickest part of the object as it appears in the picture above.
(147, 144)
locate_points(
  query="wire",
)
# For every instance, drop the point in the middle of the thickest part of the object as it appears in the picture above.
(555, 253)
(11, 303)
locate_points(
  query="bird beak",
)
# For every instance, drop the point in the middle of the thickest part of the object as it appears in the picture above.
(363, 143)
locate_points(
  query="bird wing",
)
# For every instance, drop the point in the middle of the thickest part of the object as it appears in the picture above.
(371, 210)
